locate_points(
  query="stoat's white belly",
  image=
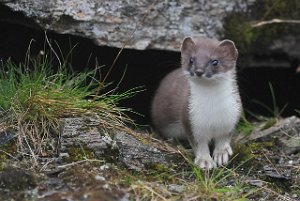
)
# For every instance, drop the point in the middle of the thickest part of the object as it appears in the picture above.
(213, 109)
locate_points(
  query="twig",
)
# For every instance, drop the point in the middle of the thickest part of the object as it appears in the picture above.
(30, 149)
(78, 162)
(46, 164)
(8, 154)
(275, 21)
(147, 187)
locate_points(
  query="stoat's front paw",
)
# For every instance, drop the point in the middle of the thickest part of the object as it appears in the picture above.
(221, 154)
(205, 162)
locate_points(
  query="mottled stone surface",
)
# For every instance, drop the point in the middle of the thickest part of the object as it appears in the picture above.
(136, 155)
(111, 23)
(130, 151)
(84, 132)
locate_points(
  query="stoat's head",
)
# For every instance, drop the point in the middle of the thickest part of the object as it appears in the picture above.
(208, 59)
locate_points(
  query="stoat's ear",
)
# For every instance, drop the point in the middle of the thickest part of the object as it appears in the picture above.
(187, 45)
(229, 47)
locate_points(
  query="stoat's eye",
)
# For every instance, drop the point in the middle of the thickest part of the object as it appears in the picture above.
(192, 60)
(215, 62)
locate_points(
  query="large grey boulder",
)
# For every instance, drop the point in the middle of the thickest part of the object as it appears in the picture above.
(153, 24)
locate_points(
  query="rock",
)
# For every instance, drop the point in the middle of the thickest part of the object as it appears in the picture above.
(84, 132)
(137, 156)
(80, 182)
(176, 188)
(275, 174)
(153, 24)
(255, 182)
(288, 44)
(286, 132)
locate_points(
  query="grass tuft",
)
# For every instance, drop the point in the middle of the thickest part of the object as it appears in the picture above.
(34, 97)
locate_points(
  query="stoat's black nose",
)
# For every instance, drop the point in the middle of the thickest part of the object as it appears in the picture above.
(199, 72)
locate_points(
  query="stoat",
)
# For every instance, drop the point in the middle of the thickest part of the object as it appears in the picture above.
(200, 101)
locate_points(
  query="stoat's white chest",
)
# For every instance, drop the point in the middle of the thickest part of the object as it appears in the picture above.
(213, 108)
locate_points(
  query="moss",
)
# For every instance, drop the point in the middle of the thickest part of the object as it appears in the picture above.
(17, 179)
(8, 148)
(238, 28)
(159, 167)
(249, 39)
(82, 153)
(3, 162)
(159, 172)
(258, 146)
(249, 151)
(79, 153)
(78, 176)
(295, 190)
(154, 173)
(245, 154)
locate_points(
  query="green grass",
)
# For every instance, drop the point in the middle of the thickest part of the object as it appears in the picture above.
(245, 126)
(34, 98)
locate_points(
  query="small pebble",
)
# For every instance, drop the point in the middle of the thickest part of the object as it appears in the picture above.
(99, 178)
(176, 188)
(256, 182)
(104, 167)
(281, 161)
(62, 155)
